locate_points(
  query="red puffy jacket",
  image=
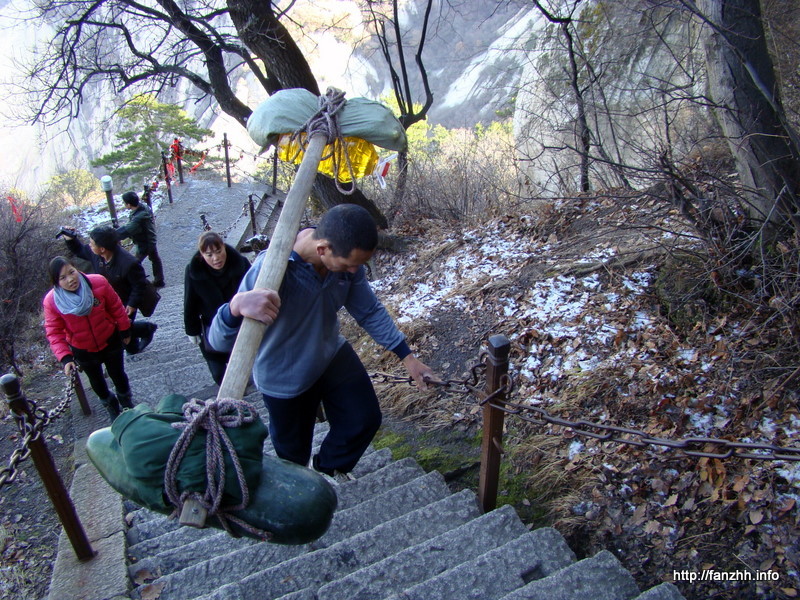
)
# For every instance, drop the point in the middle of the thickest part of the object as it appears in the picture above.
(91, 332)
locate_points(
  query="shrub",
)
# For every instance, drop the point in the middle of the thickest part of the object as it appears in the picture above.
(27, 242)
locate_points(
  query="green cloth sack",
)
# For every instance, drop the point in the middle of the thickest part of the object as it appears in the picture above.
(146, 438)
(286, 111)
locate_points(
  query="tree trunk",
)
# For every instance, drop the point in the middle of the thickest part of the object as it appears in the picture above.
(325, 190)
(262, 33)
(743, 88)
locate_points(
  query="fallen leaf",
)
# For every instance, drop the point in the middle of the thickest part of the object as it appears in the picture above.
(152, 591)
(756, 516)
(652, 527)
(142, 576)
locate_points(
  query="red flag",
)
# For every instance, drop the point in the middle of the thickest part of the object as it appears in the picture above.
(15, 209)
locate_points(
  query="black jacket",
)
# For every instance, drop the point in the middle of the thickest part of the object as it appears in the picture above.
(123, 271)
(205, 290)
(140, 228)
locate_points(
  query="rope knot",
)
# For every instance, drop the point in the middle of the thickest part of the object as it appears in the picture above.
(214, 416)
(325, 122)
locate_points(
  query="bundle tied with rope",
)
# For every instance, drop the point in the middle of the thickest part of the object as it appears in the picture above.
(208, 450)
(353, 128)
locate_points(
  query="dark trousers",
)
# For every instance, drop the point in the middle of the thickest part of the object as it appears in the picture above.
(114, 361)
(351, 408)
(217, 362)
(139, 330)
(155, 260)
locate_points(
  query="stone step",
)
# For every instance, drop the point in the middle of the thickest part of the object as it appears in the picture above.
(173, 556)
(601, 577)
(316, 568)
(499, 571)
(664, 591)
(201, 578)
(419, 562)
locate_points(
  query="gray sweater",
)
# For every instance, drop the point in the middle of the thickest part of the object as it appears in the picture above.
(298, 347)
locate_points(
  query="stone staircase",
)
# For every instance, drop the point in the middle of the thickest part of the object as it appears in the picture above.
(398, 532)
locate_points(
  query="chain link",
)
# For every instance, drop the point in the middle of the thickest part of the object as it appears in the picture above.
(33, 431)
(224, 233)
(692, 446)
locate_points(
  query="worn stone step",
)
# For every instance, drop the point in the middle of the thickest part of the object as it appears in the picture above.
(315, 568)
(601, 577)
(173, 556)
(179, 381)
(168, 540)
(497, 572)
(664, 591)
(420, 562)
(203, 577)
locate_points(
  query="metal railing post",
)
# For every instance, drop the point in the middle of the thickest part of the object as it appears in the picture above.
(45, 465)
(493, 420)
(252, 214)
(167, 178)
(80, 394)
(275, 171)
(227, 159)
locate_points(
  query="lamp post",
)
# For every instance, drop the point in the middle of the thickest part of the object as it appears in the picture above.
(108, 188)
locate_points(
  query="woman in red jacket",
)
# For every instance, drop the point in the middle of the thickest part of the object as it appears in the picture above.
(86, 324)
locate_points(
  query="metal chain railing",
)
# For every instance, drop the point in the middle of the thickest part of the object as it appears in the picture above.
(690, 446)
(33, 431)
(224, 232)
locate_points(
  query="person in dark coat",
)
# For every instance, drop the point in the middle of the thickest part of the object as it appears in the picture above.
(142, 230)
(86, 324)
(124, 273)
(212, 278)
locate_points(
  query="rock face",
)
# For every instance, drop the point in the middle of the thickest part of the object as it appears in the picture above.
(637, 71)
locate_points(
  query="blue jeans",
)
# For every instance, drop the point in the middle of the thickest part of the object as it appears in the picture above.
(351, 407)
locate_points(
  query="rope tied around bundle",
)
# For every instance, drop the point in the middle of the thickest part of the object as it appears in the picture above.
(325, 122)
(214, 416)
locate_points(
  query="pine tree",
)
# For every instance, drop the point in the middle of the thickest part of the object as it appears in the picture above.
(149, 128)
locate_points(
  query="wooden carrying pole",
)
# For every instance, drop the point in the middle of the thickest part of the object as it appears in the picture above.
(272, 269)
(270, 276)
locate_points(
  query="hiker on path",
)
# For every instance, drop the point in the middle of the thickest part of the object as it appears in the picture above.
(142, 230)
(303, 360)
(124, 273)
(211, 279)
(86, 325)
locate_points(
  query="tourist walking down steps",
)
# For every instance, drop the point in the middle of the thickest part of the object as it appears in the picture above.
(124, 273)
(211, 279)
(142, 230)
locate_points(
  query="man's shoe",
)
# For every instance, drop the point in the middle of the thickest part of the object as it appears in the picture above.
(340, 477)
(159, 284)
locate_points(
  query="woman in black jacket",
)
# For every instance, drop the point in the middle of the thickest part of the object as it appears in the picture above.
(212, 278)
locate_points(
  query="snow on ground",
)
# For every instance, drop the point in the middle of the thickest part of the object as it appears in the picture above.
(567, 325)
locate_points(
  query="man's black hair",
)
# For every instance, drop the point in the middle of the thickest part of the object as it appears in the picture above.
(131, 198)
(347, 227)
(105, 237)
